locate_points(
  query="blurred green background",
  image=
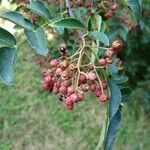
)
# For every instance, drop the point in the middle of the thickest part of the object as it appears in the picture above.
(31, 119)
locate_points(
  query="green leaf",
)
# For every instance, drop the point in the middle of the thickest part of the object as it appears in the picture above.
(7, 38)
(115, 98)
(37, 41)
(126, 94)
(7, 59)
(118, 79)
(113, 69)
(40, 8)
(113, 127)
(102, 37)
(18, 19)
(135, 7)
(71, 23)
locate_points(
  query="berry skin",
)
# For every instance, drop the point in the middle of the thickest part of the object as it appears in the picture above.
(64, 64)
(91, 66)
(85, 87)
(104, 84)
(92, 88)
(80, 97)
(72, 66)
(98, 92)
(64, 75)
(103, 98)
(74, 97)
(54, 63)
(68, 101)
(45, 86)
(114, 6)
(117, 45)
(63, 90)
(69, 107)
(48, 78)
(109, 53)
(55, 90)
(102, 62)
(109, 60)
(58, 71)
(70, 90)
(82, 78)
(91, 76)
(66, 83)
(58, 84)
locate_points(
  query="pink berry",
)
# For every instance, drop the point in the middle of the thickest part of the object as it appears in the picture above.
(117, 45)
(91, 76)
(102, 62)
(64, 64)
(68, 101)
(103, 98)
(80, 97)
(58, 84)
(82, 78)
(91, 66)
(85, 87)
(74, 97)
(69, 107)
(54, 63)
(114, 6)
(105, 85)
(109, 60)
(66, 83)
(63, 90)
(48, 78)
(98, 92)
(58, 71)
(70, 90)
(45, 86)
(92, 88)
(109, 53)
(64, 74)
(55, 90)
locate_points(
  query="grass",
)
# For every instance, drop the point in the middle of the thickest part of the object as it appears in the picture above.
(31, 119)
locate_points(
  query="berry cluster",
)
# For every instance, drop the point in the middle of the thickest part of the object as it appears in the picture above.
(72, 79)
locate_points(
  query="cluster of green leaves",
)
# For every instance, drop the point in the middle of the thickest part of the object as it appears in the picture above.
(35, 35)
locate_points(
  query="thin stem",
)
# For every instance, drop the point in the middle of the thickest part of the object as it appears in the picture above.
(99, 47)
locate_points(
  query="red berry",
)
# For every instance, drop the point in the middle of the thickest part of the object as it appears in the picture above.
(102, 62)
(92, 88)
(85, 87)
(91, 66)
(109, 53)
(70, 90)
(63, 90)
(109, 60)
(117, 45)
(64, 75)
(48, 78)
(69, 107)
(68, 101)
(64, 64)
(66, 83)
(82, 78)
(80, 97)
(45, 86)
(103, 98)
(105, 85)
(58, 71)
(54, 63)
(58, 84)
(91, 76)
(74, 97)
(55, 90)
(114, 6)
(98, 92)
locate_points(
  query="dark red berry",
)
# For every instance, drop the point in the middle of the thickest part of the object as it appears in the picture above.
(103, 98)
(102, 62)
